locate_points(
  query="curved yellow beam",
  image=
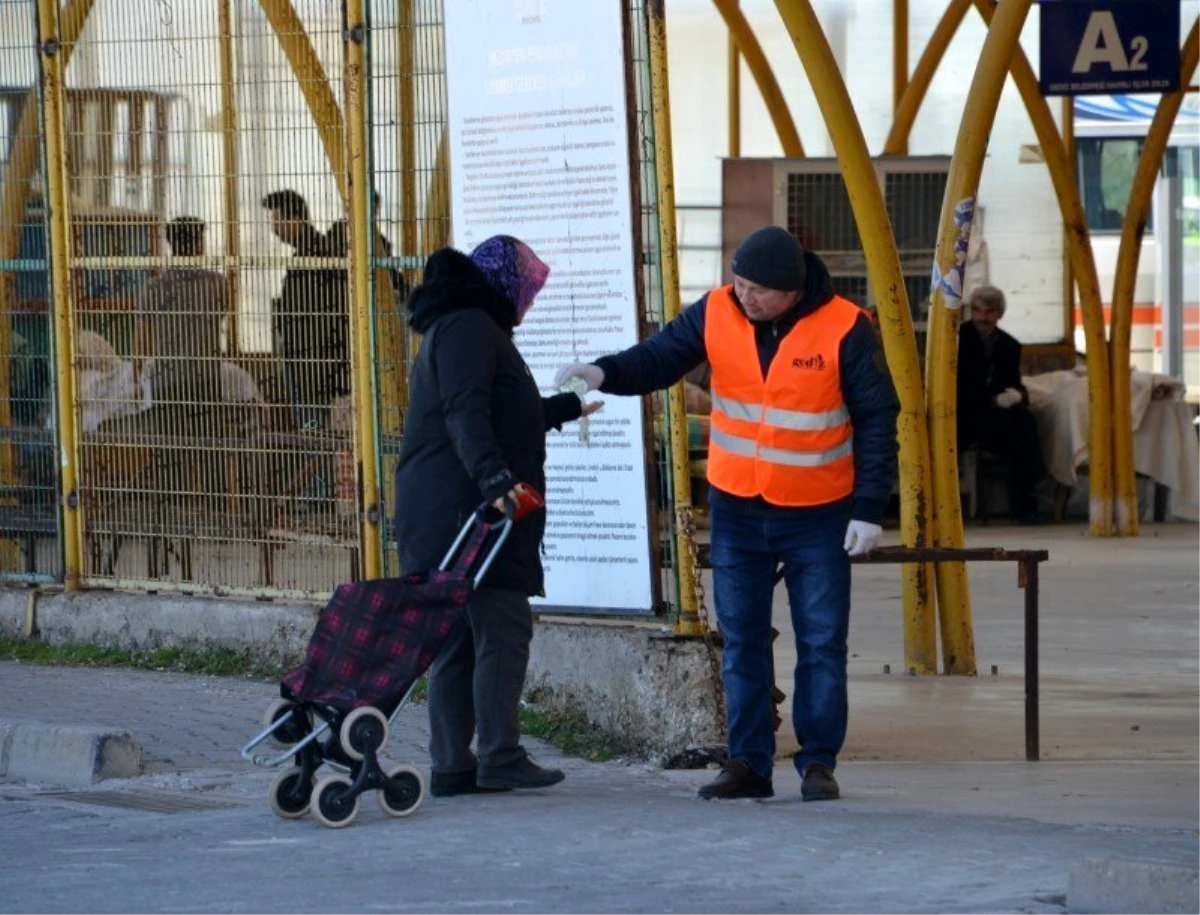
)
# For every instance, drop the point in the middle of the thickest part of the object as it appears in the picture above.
(1083, 265)
(958, 210)
(1128, 253)
(887, 279)
(918, 84)
(760, 69)
(314, 85)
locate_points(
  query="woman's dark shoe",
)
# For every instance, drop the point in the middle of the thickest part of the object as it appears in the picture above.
(448, 784)
(518, 774)
(818, 784)
(737, 780)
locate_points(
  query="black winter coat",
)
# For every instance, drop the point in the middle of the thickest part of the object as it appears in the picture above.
(983, 375)
(476, 424)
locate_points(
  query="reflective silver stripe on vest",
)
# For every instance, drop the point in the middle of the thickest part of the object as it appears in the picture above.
(806, 422)
(795, 420)
(745, 447)
(736, 409)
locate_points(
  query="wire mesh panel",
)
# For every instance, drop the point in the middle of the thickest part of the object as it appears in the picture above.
(210, 295)
(30, 544)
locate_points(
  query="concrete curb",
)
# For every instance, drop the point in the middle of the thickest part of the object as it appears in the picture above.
(67, 755)
(269, 631)
(1133, 886)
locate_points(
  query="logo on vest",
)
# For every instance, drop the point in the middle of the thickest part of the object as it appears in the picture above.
(816, 362)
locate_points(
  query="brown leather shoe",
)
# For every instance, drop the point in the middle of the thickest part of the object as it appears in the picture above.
(818, 784)
(737, 780)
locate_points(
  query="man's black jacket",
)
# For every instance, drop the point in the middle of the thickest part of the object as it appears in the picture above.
(983, 375)
(867, 385)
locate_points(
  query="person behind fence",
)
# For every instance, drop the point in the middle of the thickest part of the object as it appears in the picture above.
(311, 321)
(180, 315)
(177, 351)
(475, 427)
(801, 459)
(339, 244)
(993, 405)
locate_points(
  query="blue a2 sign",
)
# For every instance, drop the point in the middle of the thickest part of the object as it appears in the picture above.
(1108, 47)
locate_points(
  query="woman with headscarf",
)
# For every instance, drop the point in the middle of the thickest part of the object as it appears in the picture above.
(475, 428)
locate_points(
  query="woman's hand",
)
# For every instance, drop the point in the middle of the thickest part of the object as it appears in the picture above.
(590, 407)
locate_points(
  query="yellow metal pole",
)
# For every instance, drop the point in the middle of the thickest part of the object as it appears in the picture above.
(1083, 266)
(229, 143)
(407, 137)
(899, 341)
(689, 622)
(1124, 281)
(312, 82)
(58, 218)
(735, 98)
(899, 58)
(760, 69)
(958, 210)
(362, 238)
(918, 83)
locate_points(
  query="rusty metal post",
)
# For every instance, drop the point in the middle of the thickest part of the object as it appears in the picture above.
(1029, 581)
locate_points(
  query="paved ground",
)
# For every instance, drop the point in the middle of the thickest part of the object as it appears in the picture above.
(941, 812)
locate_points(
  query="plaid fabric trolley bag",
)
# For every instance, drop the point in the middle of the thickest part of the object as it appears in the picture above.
(373, 641)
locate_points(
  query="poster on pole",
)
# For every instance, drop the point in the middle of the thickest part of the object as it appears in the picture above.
(539, 149)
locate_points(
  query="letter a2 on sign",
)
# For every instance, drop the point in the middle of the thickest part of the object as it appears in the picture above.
(1109, 47)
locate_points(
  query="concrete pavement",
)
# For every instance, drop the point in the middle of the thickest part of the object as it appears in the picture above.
(940, 810)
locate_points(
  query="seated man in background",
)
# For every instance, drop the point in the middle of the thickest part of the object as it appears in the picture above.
(181, 313)
(993, 405)
(177, 350)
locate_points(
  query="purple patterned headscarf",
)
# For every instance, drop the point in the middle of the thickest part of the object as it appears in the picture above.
(512, 269)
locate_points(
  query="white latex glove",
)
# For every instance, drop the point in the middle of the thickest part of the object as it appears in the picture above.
(590, 374)
(861, 537)
(1009, 397)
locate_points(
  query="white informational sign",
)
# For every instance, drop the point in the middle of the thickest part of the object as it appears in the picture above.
(539, 150)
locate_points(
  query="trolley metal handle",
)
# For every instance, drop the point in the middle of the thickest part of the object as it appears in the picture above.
(503, 525)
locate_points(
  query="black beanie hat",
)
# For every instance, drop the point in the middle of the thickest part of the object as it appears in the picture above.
(771, 257)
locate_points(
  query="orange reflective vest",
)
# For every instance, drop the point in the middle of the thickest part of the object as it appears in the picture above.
(788, 437)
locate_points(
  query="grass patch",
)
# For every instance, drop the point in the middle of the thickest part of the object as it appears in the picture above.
(216, 662)
(572, 734)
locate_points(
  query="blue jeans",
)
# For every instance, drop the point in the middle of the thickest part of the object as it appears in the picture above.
(749, 540)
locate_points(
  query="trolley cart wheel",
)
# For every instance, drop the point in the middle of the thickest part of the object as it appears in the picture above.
(291, 731)
(365, 729)
(291, 794)
(403, 792)
(331, 807)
